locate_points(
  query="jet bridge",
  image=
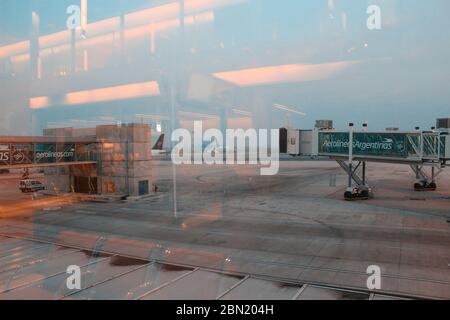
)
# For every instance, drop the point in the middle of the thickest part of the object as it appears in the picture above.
(425, 152)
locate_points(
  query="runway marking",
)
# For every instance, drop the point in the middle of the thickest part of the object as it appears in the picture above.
(299, 292)
(108, 279)
(166, 284)
(29, 284)
(325, 269)
(232, 287)
(339, 270)
(196, 268)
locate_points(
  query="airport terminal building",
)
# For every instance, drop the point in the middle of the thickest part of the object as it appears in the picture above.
(108, 160)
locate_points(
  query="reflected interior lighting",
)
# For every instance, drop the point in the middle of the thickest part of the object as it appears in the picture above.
(239, 111)
(20, 58)
(171, 11)
(159, 13)
(84, 14)
(283, 73)
(198, 5)
(39, 102)
(281, 107)
(113, 93)
(152, 116)
(103, 26)
(85, 60)
(103, 39)
(54, 50)
(15, 48)
(203, 17)
(111, 25)
(54, 39)
(197, 115)
(55, 43)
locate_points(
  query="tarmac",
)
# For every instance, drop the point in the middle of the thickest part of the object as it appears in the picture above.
(293, 228)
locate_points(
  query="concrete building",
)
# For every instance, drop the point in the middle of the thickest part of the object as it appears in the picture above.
(109, 160)
(124, 166)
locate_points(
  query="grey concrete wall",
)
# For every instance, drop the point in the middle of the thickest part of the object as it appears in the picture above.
(125, 158)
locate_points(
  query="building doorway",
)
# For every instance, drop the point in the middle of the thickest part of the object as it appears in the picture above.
(86, 185)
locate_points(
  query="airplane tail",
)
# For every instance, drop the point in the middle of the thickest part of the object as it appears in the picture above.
(160, 143)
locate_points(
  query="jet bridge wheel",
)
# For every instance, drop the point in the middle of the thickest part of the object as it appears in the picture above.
(348, 196)
(425, 186)
(419, 186)
(358, 194)
(432, 186)
(365, 194)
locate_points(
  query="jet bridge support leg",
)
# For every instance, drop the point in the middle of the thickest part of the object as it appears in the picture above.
(358, 187)
(425, 182)
(364, 173)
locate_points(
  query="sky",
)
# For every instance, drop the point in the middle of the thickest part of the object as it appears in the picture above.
(399, 75)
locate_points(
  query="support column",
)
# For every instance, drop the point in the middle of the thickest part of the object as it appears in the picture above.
(364, 173)
(350, 173)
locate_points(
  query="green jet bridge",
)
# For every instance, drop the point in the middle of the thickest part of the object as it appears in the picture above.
(425, 152)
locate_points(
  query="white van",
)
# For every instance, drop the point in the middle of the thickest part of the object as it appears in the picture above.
(29, 185)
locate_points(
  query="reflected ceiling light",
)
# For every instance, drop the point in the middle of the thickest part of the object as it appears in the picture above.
(39, 102)
(238, 111)
(284, 73)
(134, 19)
(15, 48)
(172, 10)
(281, 107)
(143, 30)
(103, 26)
(127, 91)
